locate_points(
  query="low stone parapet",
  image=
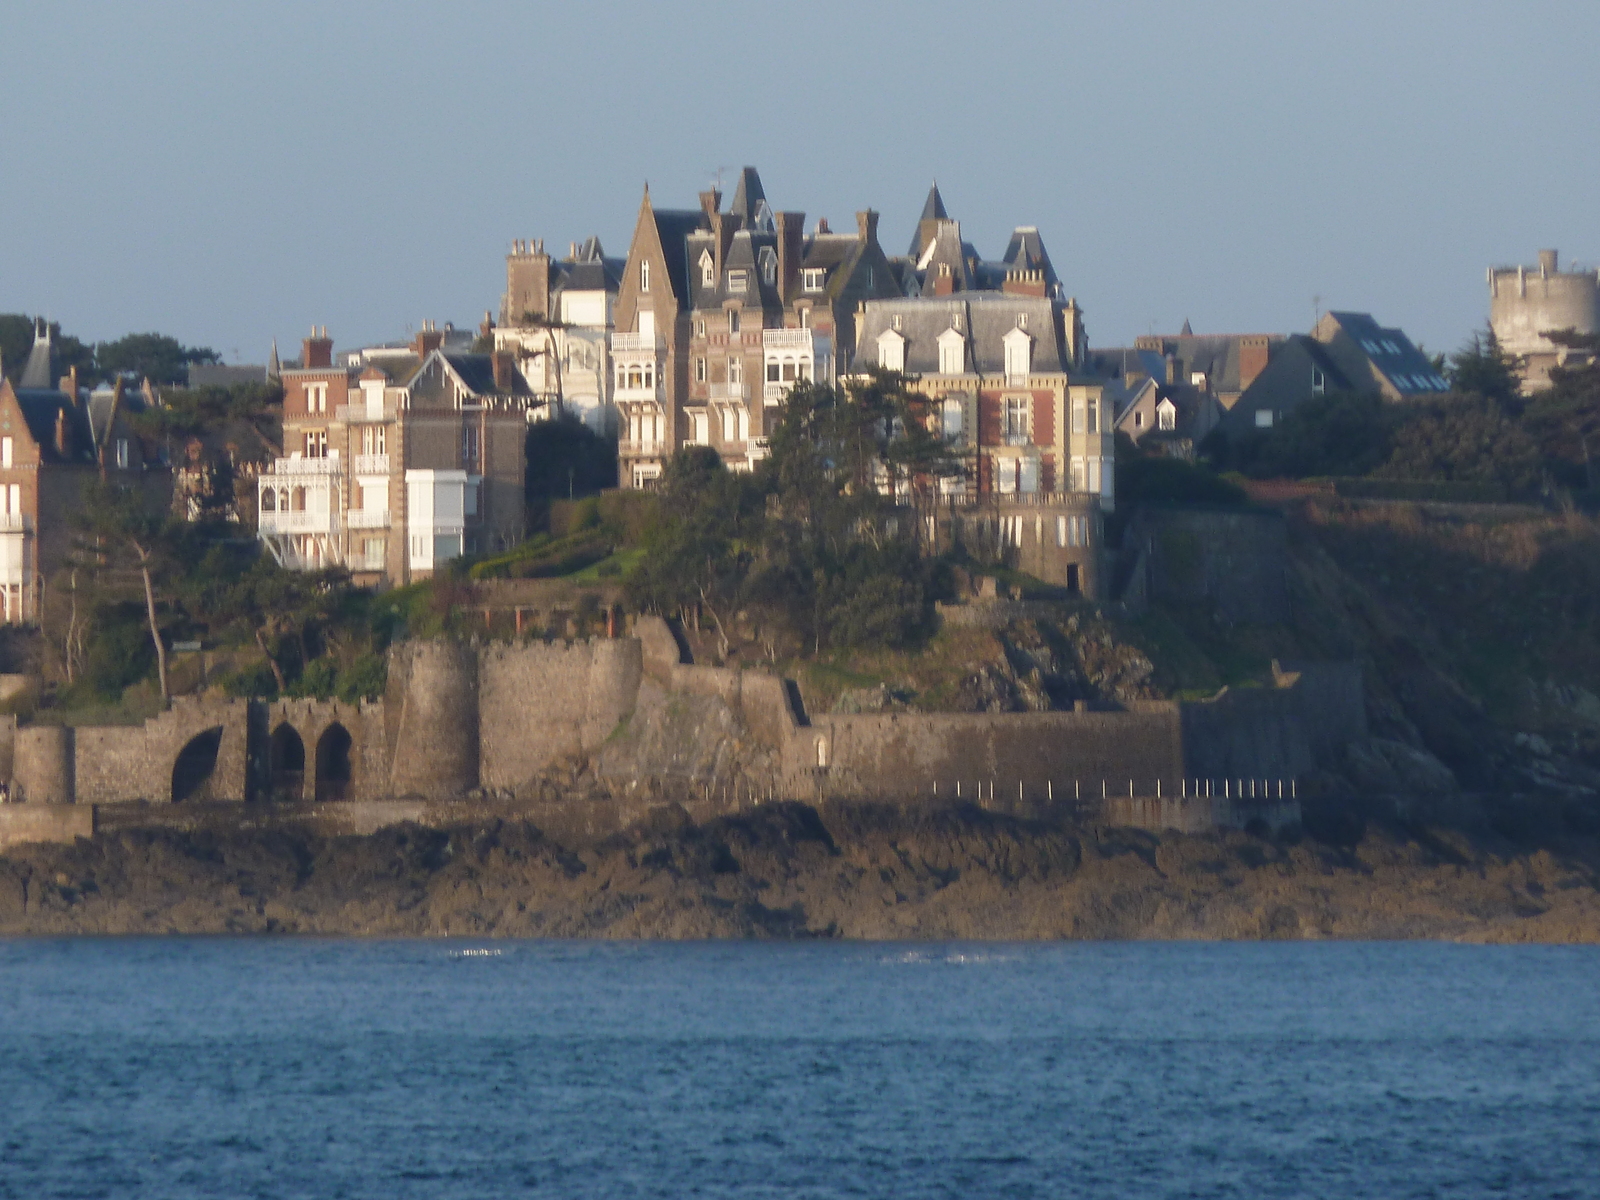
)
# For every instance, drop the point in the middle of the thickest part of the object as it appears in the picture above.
(64, 823)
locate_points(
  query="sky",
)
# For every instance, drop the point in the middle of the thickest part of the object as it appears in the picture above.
(231, 174)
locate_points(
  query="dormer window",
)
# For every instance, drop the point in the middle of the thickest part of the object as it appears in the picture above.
(1019, 354)
(708, 270)
(1167, 416)
(952, 352)
(644, 276)
(769, 266)
(899, 321)
(891, 350)
(812, 279)
(738, 281)
(1022, 320)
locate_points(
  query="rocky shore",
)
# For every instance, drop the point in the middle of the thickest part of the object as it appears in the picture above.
(793, 871)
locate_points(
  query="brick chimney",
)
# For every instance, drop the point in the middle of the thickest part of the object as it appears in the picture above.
(317, 350)
(1019, 282)
(504, 367)
(710, 201)
(791, 239)
(867, 227)
(944, 280)
(1174, 371)
(1254, 351)
(63, 433)
(428, 340)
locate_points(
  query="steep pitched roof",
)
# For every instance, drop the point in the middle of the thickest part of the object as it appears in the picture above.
(1026, 252)
(750, 201)
(985, 318)
(932, 210)
(673, 227)
(1390, 354)
(40, 370)
(43, 409)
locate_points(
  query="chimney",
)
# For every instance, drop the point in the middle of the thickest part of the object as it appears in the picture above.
(791, 238)
(1174, 374)
(867, 226)
(486, 330)
(63, 434)
(1019, 282)
(317, 350)
(1253, 354)
(428, 340)
(69, 384)
(1547, 262)
(822, 225)
(504, 365)
(944, 282)
(710, 202)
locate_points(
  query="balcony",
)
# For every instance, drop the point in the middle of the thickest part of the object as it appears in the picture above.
(773, 393)
(361, 518)
(636, 343)
(15, 522)
(299, 522)
(357, 414)
(646, 395)
(308, 466)
(729, 391)
(369, 464)
(641, 449)
(787, 339)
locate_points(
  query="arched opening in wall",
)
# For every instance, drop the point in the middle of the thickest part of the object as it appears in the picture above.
(194, 766)
(333, 763)
(288, 764)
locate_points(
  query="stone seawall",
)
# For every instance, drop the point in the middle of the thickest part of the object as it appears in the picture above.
(23, 823)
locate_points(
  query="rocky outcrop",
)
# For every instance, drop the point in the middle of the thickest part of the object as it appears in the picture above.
(789, 870)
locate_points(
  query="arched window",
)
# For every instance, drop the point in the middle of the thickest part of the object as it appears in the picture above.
(298, 499)
(269, 500)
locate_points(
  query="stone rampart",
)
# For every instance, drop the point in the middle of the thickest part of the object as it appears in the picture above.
(431, 719)
(115, 764)
(541, 703)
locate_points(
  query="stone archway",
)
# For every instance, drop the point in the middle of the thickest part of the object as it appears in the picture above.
(288, 764)
(194, 766)
(333, 763)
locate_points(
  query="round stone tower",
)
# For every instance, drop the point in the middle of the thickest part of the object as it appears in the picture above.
(431, 711)
(42, 764)
(1528, 303)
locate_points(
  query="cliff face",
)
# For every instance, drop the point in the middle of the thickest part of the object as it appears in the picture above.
(787, 870)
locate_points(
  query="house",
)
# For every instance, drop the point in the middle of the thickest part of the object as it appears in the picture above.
(396, 461)
(1344, 352)
(55, 439)
(556, 319)
(720, 313)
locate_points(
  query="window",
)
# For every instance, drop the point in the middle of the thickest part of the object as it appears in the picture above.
(1016, 419)
(1094, 416)
(952, 353)
(699, 370)
(733, 320)
(644, 276)
(316, 397)
(374, 440)
(1138, 419)
(699, 434)
(773, 375)
(700, 328)
(708, 270)
(269, 500)
(469, 446)
(1319, 385)
(1263, 418)
(122, 454)
(1022, 320)
(769, 266)
(898, 321)
(1167, 417)
(7, 449)
(788, 370)
(805, 318)
(1077, 414)
(1077, 475)
(738, 281)
(735, 370)
(951, 414)
(1019, 355)
(891, 351)
(729, 425)
(316, 443)
(811, 279)
(1061, 532)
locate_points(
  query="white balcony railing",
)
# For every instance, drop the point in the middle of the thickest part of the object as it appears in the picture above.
(729, 391)
(787, 339)
(15, 522)
(773, 393)
(361, 518)
(299, 522)
(370, 464)
(647, 395)
(632, 343)
(307, 466)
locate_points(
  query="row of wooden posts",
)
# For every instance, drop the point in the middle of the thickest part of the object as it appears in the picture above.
(1188, 789)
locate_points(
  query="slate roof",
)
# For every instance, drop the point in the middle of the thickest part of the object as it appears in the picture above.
(476, 371)
(99, 404)
(40, 408)
(1026, 252)
(1389, 351)
(221, 375)
(674, 227)
(589, 270)
(39, 373)
(985, 319)
(750, 201)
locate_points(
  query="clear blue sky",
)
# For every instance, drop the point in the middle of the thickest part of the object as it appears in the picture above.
(231, 173)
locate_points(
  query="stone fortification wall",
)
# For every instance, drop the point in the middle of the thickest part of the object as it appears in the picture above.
(42, 765)
(115, 764)
(316, 722)
(1246, 733)
(1234, 559)
(541, 703)
(431, 719)
(925, 755)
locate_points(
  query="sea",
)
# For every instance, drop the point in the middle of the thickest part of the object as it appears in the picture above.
(177, 1067)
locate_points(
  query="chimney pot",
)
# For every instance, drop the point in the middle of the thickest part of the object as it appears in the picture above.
(1547, 262)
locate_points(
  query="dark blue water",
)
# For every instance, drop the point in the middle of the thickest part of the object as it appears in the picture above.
(398, 1069)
